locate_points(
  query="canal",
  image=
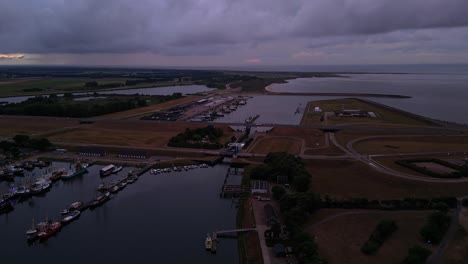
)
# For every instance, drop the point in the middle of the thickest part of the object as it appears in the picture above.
(158, 219)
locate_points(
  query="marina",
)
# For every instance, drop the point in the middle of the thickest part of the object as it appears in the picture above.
(106, 225)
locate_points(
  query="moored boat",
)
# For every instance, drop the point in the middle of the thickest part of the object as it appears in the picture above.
(208, 242)
(117, 169)
(101, 199)
(51, 229)
(6, 205)
(73, 216)
(107, 170)
(76, 170)
(76, 205)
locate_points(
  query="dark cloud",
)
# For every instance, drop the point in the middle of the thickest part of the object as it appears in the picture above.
(184, 27)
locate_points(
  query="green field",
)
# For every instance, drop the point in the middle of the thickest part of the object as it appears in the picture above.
(23, 87)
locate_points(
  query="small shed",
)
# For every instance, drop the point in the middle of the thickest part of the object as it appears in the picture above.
(92, 152)
(133, 154)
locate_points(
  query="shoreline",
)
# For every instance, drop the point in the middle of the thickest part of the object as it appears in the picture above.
(268, 88)
(341, 94)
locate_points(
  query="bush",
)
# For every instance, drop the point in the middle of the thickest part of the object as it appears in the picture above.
(382, 232)
(417, 255)
(436, 227)
(465, 202)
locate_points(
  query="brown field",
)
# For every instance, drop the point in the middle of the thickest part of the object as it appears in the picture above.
(412, 144)
(331, 150)
(288, 139)
(139, 112)
(125, 134)
(347, 178)
(11, 126)
(278, 144)
(340, 239)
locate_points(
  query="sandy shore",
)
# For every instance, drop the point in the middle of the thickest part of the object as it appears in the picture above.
(268, 88)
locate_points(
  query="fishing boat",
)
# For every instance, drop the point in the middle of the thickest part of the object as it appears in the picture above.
(76, 170)
(22, 191)
(51, 229)
(41, 186)
(32, 234)
(73, 216)
(101, 199)
(57, 175)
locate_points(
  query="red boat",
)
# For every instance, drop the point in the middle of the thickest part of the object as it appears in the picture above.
(51, 229)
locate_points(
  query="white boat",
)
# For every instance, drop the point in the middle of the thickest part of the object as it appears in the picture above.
(76, 205)
(71, 217)
(106, 171)
(117, 169)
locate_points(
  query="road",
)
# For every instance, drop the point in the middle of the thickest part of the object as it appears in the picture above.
(451, 232)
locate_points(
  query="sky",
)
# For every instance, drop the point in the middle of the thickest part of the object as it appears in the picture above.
(204, 33)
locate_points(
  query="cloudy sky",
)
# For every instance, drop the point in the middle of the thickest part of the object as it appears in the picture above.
(233, 32)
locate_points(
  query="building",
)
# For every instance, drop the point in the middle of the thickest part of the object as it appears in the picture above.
(259, 187)
(133, 154)
(92, 152)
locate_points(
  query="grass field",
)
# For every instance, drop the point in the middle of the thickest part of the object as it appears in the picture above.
(340, 239)
(385, 115)
(412, 144)
(11, 126)
(279, 144)
(352, 179)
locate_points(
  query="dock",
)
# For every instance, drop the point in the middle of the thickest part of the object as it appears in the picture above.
(233, 233)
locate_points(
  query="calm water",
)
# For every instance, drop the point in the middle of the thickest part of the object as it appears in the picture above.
(166, 90)
(273, 109)
(158, 219)
(436, 96)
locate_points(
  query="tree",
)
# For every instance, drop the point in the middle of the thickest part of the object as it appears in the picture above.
(91, 84)
(417, 255)
(278, 192)
(40, 144)
(21, 139)
(301, 183)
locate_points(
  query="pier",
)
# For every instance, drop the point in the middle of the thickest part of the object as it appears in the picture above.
(233, 233)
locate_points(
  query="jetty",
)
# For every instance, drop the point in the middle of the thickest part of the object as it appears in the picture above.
(233, 233)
